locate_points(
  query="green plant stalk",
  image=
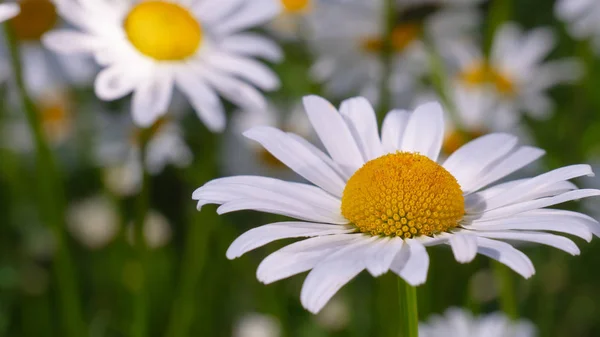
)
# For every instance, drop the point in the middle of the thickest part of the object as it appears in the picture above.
(499, 13)
(139, 326)
(387, 57)
(409, 314)
(506, 283)
(194, 259)
(52, 200)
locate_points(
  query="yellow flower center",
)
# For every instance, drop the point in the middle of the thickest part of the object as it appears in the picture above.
(36, 18)
(456, 139)
(402, 36)
(163, 31)
(480, 74)
(56, 120)
(403, 194)
(295, 6)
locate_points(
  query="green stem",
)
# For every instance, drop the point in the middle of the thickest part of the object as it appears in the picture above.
(409, 313)
(139, 327)
(387, 56)
(196, 247)
(500, 12)
(52, 203)
(506, 282)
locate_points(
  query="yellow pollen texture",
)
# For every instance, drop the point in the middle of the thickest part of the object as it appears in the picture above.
(403, 194)
(163, 31)
(295, 6)
(484, 74)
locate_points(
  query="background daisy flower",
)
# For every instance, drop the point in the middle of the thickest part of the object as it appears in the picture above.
(582, 18)
(134, 42)
(516, 71)
(8, 10)
(377, 202)
(457, 322)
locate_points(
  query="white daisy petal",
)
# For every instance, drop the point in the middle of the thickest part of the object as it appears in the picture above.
(244, 68)
(344, 173)
(298, 158)
(8, 10)
(467, 162)
(424, 131)
(333, 132)
(263, 235)
(559, 242)
(71, 42)
(237, 91)
(151, 100)
(115, 82)
(329, 275)
(393, 129)
(249, 15)
(507, 255)
(414, 270)
(464, 246)
(251, 44)
(205, 101)
(380, 258)
(300, 256)
(362, 122)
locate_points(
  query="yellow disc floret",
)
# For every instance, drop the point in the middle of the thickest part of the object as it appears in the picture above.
(403, 194)
(482, 73)
(295, 6)
(163, 30)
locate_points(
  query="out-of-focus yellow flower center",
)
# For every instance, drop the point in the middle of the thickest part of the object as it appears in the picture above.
(36, 18)
(295, 6)
(456, 139)
(163, 31)
(56, 120)
(402, 36)
(482, 73)
(403, 194)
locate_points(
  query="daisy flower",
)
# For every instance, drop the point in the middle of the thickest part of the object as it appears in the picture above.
(377, 202)
(134, 42)
(8, 11)
(157, 230)
(94, 221)
(344, 35)
(291, 23)
(43, 71)
(582, 18)
(119, 152)
(516, 71)
(243, 156)
(257, 325)
(459, 323)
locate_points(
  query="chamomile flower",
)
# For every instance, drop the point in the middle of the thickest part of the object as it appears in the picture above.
(582, 18)
(459, 323)
(151, 47)
(516, 71)
(377, 202)
(119, 152)
(43, 70)
(291, 23)
(344, 35)
(243, 156)
(8, 10)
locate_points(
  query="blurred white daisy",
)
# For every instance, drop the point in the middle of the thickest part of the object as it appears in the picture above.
(459, 323)
(43, 71)
(94, 221)
(242, 156)
(55, 111)
(157, 230)
(582, 18)
(118, 152)
(344, 35)
(8, 10)
(291, 23)
(378, 202)
(257, 325)
(151, 47)
(516, 71)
